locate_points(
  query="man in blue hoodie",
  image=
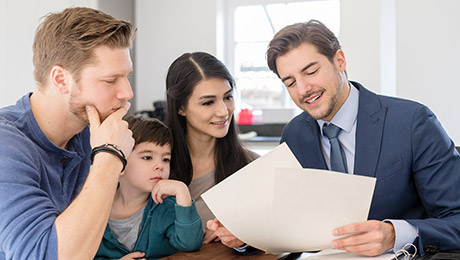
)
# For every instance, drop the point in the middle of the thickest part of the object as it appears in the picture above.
(52, 203)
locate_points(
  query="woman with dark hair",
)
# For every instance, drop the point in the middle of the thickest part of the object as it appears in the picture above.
(206, 147)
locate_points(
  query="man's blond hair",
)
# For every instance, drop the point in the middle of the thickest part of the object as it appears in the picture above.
(68, 39)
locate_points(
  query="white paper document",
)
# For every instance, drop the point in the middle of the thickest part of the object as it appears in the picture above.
(276, 206)
(334, 254)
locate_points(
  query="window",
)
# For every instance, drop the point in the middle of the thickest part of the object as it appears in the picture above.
(251, 25)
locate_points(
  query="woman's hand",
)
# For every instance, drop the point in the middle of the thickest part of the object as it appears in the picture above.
(209, 236)
(223, 234)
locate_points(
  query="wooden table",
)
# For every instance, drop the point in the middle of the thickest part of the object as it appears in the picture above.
(219, 251)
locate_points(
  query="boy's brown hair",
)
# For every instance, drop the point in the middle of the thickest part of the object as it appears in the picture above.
(150, 130)
(68, 39)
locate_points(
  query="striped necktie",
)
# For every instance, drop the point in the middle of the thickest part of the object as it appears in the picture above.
(338, 159)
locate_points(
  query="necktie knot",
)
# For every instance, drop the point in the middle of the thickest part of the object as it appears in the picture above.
(331, 131)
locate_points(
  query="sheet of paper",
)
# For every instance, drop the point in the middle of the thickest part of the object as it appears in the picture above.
(308, 204)
(275, 205)
(333, 254)
(243, 201)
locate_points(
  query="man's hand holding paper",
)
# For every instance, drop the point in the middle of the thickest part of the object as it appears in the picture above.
(369, 238)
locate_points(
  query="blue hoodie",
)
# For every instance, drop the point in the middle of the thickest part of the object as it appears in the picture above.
(165, 228)
(38, 180)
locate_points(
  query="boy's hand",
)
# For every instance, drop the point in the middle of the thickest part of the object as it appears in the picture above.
(165, 188)
(113, 130)
(134, 255)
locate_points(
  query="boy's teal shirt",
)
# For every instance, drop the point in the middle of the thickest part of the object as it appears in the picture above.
(165, 229)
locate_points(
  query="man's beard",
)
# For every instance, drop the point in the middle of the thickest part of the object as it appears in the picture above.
(78, 108)
(333, 101)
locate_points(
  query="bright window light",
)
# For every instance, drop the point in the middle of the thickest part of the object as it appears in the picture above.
(253, 27)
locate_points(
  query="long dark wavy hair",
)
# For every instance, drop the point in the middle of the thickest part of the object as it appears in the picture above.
(183, 75)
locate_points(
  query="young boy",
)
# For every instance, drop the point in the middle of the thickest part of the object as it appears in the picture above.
(151, 216)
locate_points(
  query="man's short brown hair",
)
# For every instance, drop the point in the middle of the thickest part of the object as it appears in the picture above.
(68, 39)
(292, 36)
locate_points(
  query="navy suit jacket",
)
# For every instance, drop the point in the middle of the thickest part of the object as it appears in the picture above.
(404, 146)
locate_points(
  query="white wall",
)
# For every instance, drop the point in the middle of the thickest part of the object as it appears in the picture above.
(4, 98)
(19, 20)
(406, 48)
(166, 29)
(428, 55)
(359, 37)
(411, 44)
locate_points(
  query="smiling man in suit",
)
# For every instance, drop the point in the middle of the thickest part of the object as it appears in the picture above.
(347, 128)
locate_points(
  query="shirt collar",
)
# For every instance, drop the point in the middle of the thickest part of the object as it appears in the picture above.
(347, 114)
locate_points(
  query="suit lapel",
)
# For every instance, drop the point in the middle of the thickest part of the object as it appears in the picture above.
(369, 132)
(312, 153)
